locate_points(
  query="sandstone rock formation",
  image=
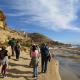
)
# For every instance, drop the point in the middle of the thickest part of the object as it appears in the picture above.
(3, 24)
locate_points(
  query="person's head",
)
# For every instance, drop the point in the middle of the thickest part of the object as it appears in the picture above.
(34, 48)
(17, 41)
(33, 44)
(13, 38)
(43, 44)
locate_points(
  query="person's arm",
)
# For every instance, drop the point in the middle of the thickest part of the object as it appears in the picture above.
(19, 46)
(9, 42)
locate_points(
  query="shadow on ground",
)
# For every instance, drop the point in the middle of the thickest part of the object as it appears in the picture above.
(15, 73)
(14, 64)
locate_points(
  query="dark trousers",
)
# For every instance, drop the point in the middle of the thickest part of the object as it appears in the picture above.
(17, 54)
(44, 64)
(13, 50)
(3, 70)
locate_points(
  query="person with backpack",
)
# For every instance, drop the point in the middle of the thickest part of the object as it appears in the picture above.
(12, 43)
(4, 61)
(45, 57)
(35, 60)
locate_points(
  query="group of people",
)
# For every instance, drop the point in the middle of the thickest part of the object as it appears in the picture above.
(15, 47)
(4, 57)
(35, 53)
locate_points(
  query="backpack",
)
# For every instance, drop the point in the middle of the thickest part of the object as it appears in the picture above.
(45, 51)
(2, 54)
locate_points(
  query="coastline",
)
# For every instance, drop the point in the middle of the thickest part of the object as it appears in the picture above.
(69, 68)
(69, 64)
(67, 73)
(21, 70)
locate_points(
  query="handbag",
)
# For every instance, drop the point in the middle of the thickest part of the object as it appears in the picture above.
(49, 57)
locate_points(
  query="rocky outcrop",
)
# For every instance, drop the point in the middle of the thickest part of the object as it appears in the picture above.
(5, 35)
(3, 24)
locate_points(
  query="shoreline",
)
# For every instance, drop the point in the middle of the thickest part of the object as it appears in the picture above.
(69, 69)
(69, 64)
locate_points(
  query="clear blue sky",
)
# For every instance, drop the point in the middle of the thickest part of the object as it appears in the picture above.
(58, 19)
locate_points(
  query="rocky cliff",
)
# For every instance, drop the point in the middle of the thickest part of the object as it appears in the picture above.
(3, 24)
(25, 38)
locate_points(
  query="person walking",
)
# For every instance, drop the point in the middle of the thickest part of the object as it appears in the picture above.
(4, 61)
(45, 57)
(12, 43)
(17, 50)
(35, 60)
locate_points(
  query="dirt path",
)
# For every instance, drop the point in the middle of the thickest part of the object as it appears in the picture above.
(52, 73)
(20, 70)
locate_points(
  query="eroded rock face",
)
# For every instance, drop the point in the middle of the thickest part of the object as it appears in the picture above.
(3, 24)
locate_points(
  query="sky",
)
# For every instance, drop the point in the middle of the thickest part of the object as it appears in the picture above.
(57, 19)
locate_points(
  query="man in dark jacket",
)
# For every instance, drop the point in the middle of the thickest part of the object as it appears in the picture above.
(44, 57)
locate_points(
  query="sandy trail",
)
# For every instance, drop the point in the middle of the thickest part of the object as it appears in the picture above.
(20, 70)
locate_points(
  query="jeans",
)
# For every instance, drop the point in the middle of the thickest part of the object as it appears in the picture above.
(35, 70)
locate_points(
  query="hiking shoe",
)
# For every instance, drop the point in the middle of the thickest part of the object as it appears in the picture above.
(4, 76)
